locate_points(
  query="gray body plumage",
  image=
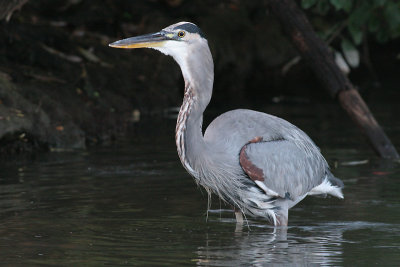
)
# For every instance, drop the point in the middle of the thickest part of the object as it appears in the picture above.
(291, 163)
(259, 163)
(289, 159)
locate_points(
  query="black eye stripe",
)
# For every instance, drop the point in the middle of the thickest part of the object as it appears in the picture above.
(190, 27)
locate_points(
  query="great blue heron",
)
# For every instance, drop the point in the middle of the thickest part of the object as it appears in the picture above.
(259, 163)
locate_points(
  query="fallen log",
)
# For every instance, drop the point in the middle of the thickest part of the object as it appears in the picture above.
(317, 55)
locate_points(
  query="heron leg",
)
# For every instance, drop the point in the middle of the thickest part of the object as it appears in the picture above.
(282, 217)
(238, 215)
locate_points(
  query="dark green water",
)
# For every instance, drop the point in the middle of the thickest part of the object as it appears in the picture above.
(132, 203)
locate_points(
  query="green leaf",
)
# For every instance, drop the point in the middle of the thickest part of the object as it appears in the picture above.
(323, 7)
(392, 15)
(357, 21)
(382, 36)
(379, 3)
(374, 23)
(360, 14)
(351, 53)
(342, 4)
(356, 33)
(337, 4)
(347, 6)
(306, 4)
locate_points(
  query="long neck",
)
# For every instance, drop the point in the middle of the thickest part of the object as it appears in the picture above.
(198, 72)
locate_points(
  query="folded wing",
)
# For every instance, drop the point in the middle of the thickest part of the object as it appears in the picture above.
(281, 168)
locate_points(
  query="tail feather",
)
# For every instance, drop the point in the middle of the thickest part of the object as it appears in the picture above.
(334, 180)
(330, 185)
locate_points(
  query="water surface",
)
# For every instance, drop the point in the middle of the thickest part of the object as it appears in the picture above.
(132, 203)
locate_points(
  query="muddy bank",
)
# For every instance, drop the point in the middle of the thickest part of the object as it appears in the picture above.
(62, 87)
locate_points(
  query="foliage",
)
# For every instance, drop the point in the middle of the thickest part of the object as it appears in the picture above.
(354, 20)
(380, 18)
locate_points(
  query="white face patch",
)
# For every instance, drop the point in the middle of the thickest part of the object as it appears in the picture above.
(179, 50)
(176, 49)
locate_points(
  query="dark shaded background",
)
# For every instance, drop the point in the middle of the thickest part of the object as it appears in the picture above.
(62, 87)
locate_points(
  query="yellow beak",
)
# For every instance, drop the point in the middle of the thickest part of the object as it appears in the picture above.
(143, 41)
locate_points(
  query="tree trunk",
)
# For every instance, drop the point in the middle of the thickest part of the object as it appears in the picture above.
(316, 53)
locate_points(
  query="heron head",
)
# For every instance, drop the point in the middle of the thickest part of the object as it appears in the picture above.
(175, 40)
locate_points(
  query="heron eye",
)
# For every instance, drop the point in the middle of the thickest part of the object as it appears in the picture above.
(181, 34)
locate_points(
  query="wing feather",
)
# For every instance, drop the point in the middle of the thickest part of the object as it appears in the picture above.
(281, 167)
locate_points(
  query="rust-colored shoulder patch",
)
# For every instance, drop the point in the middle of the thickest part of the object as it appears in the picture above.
(255, 173)
(255, 140)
